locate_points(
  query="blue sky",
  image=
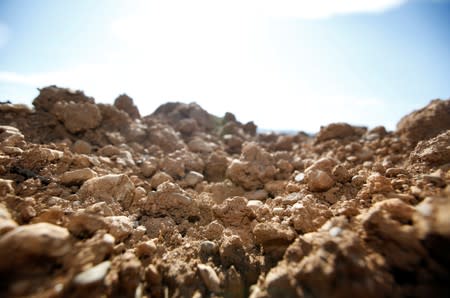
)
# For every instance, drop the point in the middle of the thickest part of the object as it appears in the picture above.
(284, 64)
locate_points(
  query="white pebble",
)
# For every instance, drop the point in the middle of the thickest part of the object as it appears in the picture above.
(299, 177)
(93, 275)
(335, 231)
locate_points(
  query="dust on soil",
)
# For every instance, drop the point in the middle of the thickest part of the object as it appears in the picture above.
(97, 201)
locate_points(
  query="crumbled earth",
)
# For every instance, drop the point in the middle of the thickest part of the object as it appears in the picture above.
(97, 201)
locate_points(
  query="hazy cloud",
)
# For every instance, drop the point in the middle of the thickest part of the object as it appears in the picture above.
(307, 9)
(322, 8)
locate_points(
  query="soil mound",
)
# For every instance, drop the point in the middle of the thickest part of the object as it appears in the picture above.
(97, 201)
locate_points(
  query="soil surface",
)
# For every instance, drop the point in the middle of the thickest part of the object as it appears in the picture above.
(98, 201)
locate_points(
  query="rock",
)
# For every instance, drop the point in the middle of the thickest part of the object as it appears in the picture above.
(388, 220)
(187, 126)
(82, 224)
(341, 174)
(146, 248)
(173, 112)
(192, 161)
(173, 166)
(6, 187)
(213, 230)
(116, 122)
(393, 172)
(234, 284)
(299, 177)
(6, 222)
(254, 168)
(435, 151)
(193, 178)
(51, 95)
(308, 215)
(433, 219)
(319, 180)
(32, 241)
(109, 150)
(10, 136)
(358, 180)
(15, 108)
(284, 143)
(208, 248)
(109, 188)
(100, 208)
(130, 273)
(77, 177)
(6, 225)
(280, 284)
(260, 194)
(81, 147)
(233, 144)
(250, 128)
(125, 103)
(200, 146)
(159, 178)
(216, 166)
(165, 137)
(425, 123)
(119, 226)
(93, 275)
(229, 117)
(319, 175)
(274, 237)
(81, 117)
(233, 211)
(209, 277)
(148, 168)
(435, 178)
(379, 184)
(170, 200)
(152, 275)
(323, 250)
(337, 131)
(156, 227)
(325, 164)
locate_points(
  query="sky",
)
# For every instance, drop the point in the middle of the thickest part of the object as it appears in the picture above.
(284, 64)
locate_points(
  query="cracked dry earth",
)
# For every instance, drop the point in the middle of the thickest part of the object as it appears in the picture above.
(97, 201)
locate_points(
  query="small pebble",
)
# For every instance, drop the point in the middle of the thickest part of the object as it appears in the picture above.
(299, 177)
(146, 248)
(335, 231)
(319, 180)
(254, 204)
(209, 277)
(93, 274)
(208, 248)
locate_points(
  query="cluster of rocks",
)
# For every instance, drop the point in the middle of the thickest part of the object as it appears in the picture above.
(97, 201)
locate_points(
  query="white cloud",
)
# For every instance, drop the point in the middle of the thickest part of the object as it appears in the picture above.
(4, 35)
(265, 8)
(319, 9)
